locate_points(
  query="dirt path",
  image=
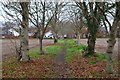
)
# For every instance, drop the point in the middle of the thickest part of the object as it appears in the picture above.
(61, 67)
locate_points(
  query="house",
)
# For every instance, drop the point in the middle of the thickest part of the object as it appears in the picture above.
(101, 32)
(32, 33)
(6, 33)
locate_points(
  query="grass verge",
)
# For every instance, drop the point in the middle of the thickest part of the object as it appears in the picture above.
(50, 51)
(72, 50)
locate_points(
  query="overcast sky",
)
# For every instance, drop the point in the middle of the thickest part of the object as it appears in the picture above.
(1, 12)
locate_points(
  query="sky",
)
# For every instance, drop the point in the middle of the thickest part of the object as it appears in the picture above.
(1, 12)
(1, 19)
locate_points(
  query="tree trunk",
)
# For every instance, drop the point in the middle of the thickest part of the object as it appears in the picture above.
(112, 40)
(41, 46)
(24, 35)
(118, 16)
(40, 38)
(24, 46)
(119, 57)
(111, 43)
(92, 29)
(79, 39)
(91, 44)
(119, 50)
(62, 36)
(55, 38)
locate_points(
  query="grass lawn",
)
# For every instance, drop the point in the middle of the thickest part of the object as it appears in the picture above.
(72, 49)
(42, 65)
(50, 51)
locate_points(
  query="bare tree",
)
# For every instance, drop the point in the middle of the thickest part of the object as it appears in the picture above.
(113, 10)
(40, 16)
(66, 29)
(55, 22)
(13, 10)
(112, 38)
(24, 34)
(91, 13)
(77, 21)
(107, 9)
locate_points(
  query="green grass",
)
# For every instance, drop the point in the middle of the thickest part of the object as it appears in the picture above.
(101, 56)
(10, 72)
(72, 50)
(34, 53)
(67, 41)
(53, 50)
(49, 51)
(92, 62)
(10, 62)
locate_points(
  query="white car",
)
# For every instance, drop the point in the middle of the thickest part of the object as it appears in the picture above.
(48, 35)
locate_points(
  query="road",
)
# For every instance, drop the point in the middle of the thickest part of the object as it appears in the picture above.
(8, 49)
(101, 45)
